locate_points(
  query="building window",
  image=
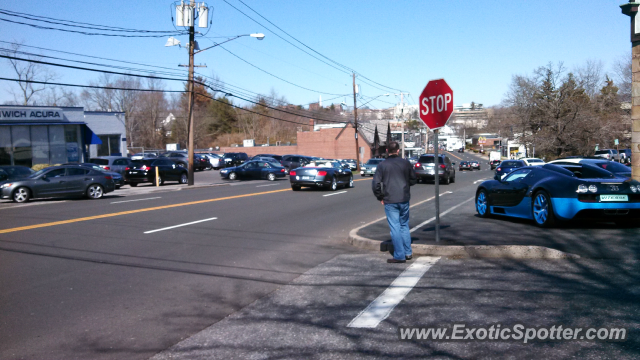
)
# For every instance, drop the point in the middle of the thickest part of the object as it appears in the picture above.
(57, 144)
(21, 145)
(5, 145)
(110, 145)
(40, 145)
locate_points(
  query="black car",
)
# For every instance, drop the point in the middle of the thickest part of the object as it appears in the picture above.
(425, 169)
(506, 167)
(144, 171)
(234, 159)
(295, 161)
(553, 192)
(257, 170)
(277, 157)
(464, 165)
(494, 164)
(321, 174)
(57, 181)
(9, 172)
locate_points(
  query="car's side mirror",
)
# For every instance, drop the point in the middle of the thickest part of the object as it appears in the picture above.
(453, 163)
(44, 177)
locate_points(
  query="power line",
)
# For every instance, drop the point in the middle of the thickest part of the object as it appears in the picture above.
(88, 33)
(63, 22)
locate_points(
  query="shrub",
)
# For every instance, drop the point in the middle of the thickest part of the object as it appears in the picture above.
(38, 167)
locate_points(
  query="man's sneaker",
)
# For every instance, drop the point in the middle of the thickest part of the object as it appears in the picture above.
(408, 257)
(394, 261)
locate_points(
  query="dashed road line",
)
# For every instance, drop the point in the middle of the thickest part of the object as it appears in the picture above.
(181, 225)
(267, 185)
(381, 307)
(336, 193)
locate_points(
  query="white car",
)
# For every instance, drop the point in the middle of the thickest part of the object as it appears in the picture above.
(533, 161)
(215, 160)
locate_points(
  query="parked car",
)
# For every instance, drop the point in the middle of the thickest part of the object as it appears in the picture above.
(258, 170)
(625, 156)
(294, 161)
(9, 172)
(532, 161)
(425, 169)
(112, 163)
(609, 154)
(322, 174)
(506, 167)
(144, 171)
(58, 181)
(611, 166)
(553, 192)
(464, 165)
(180, 158)
(369, 169)
(353, 165)
(144, 155)
(494, 164)
(118, 179)
(475, 164)
(234, 159)
(215, 160)
(277, 157)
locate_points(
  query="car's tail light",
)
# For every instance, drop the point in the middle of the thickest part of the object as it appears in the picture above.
(418, 165)
(281, 170)
(582, 189)
(441, 166)
(108, 177)
(499, 169)
(127, 168)
(106, 168)
(322, 173)
(292, 173)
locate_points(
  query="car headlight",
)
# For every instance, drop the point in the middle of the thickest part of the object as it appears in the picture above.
(634, 188)
(4, 186)
(593, 188)
(582, 189)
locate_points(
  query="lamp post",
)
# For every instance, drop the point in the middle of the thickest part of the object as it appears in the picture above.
(185, 16)
(631, 9)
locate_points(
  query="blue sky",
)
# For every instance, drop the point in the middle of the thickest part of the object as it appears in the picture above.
(477, 46)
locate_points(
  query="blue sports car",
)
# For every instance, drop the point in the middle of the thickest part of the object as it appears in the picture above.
(561, 192)
(255, 170)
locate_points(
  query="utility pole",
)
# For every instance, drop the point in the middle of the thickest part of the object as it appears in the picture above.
(631, 9)
(191, 95)
(402, 128)
(355, 121)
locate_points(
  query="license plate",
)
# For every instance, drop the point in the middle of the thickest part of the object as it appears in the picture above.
(135, 172)
(306, 177)
(614, 198)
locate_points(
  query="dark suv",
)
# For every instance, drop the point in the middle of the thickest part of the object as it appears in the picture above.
(295, 161)
(234, 159)
(425, 169)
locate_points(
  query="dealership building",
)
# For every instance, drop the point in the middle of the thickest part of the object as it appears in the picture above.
(31, 135)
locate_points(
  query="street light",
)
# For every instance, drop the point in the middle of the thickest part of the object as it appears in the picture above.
(194, 49)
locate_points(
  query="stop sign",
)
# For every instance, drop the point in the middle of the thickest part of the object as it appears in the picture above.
(436, 104)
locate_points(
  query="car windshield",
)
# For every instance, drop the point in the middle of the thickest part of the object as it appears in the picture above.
(600, 152)
(511, 164)
(374, 161)
(612, 166)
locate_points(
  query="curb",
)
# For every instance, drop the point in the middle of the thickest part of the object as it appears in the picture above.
(464, 251)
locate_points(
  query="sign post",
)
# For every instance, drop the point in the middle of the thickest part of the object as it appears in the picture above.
(435, 109)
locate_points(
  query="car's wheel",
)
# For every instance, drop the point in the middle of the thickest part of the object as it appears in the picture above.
(21, 195)
(542, 210)
(160, 180)
(271, 177)
(296, 187)
(184, 178)
(133, 184)
(334, 184)
(447, 180)
(482, 206)
(453, 179)
(94, 191)
(208, 167)
(232, 176)
(350, 182)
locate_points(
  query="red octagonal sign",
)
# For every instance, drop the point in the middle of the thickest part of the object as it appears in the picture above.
(436, 104)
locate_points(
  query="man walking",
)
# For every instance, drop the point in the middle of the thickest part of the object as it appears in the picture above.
(391, 185)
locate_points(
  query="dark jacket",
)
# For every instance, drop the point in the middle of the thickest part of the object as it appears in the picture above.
(392, 180)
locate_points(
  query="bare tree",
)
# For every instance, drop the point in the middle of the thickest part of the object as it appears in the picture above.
(623, 77)
(58, 96)
(591, 76)
(27, 71)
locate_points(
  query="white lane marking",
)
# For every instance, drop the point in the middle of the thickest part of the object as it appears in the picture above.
(441, 214)
(177, 226)
(33, 204)
(381, 307)
(339, 192)
(477, 181)
(124, 201)
(267, 185)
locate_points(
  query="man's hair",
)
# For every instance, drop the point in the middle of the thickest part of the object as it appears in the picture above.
(393, 147)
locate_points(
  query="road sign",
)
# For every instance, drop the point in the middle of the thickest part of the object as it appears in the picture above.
(436, 104)
(615, 142)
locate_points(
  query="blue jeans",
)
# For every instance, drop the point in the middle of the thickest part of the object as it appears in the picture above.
(398, 219)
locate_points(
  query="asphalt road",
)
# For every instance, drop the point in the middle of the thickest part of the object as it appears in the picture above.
(81, 279)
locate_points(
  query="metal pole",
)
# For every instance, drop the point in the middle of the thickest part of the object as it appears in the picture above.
(436, 167)
(355, 121)
(402, 138)
(191, 95)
